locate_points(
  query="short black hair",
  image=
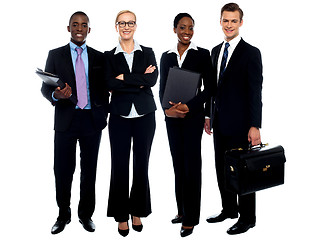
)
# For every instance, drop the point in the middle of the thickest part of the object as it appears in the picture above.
(79, 13)
(179, 17)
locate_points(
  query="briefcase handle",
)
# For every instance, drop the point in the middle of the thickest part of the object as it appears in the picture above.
(250, 147)
(261, 145)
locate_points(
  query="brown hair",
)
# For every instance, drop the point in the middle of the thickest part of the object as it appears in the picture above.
(125, 11)
(232, 7)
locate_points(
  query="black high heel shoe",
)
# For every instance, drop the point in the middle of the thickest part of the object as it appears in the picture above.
(177, 219)
(137, 228)
(186, 231)
(125, 232)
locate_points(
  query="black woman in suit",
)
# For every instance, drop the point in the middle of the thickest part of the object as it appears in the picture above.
(75, 122)
(237, 111)
(131, 72)
(185, 121)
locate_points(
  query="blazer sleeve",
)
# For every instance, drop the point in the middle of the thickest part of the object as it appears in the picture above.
(255, 79)
(111, 72)
(209, 82)
(142, 79)
(46, 89)
(210, 103)
(164, 70)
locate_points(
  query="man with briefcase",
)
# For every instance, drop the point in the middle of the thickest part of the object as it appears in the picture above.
(235, 112)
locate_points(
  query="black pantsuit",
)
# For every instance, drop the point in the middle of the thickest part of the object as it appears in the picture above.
(123, 131)
(185, 134)
(135, 90)
(185, 145)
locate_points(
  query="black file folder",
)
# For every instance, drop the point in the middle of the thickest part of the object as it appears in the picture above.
(50, 79)
(181, 86)
(53, 80)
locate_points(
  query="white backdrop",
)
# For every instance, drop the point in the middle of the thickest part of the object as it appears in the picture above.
(285, 32)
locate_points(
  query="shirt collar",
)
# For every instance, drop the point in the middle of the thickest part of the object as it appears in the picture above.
(136, 47)
(74, 46)
(175, 49)
(234, 42)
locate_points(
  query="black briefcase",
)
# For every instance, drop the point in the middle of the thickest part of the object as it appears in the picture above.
(253, 169)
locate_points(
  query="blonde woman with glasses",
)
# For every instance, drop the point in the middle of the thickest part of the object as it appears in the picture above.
(131, 71)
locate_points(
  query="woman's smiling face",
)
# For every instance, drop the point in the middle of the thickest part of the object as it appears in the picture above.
(184, 30)
(126, 32)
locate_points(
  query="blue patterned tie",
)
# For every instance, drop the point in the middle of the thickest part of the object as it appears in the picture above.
(224, 60)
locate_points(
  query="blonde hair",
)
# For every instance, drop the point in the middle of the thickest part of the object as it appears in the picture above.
(125, 11)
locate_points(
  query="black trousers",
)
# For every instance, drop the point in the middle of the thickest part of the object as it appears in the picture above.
(82, 129)
(185, 145)
(247, 203)
(122, 131)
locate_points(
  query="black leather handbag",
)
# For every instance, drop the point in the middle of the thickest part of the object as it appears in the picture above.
(253, 169)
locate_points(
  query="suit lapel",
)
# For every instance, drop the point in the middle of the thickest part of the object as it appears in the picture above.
(235, 56)
(174, 60)
(122, 63)
(68, 66)
(91, 57)
(137, 60)
(68, 61)
(189, 60)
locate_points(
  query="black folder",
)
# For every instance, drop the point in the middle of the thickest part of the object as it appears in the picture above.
(53, 80)
(181, 86)
(50, 79)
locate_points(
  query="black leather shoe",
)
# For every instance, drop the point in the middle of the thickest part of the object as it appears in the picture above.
(220, 217)
(185, 231)
(240, 227)
(59, 226)
(88, 225)
(137, 228)
(177, 219)
(125, 232)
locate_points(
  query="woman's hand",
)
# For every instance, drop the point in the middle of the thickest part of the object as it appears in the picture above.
(120, 77)
(177, 110)
(207, 128)
(150, 69)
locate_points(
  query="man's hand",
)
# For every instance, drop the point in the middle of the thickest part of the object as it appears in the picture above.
(254, 136)
(64, 93)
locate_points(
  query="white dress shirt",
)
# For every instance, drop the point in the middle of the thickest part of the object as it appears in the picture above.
(233, 44)
(183, 57)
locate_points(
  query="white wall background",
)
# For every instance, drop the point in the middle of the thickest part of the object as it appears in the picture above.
(285, 31)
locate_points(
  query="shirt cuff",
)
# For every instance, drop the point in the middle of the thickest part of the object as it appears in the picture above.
(53, 98)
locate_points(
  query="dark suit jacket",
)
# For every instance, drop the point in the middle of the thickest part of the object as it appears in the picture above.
(129, 91)
(196, 61)
(238, 104)
(59, 62)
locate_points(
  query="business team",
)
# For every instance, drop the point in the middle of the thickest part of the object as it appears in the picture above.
(231, 82)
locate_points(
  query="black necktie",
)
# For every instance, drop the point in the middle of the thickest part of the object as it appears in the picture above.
(224, 60)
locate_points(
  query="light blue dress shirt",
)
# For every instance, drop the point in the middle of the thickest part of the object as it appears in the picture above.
(84, 56)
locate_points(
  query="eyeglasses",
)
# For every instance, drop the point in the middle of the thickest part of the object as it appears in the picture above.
(122, 24)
